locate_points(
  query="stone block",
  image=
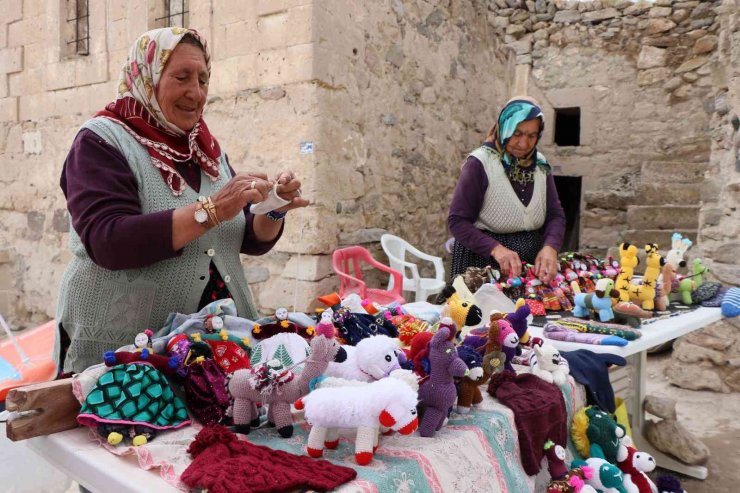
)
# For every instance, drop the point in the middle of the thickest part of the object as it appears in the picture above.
(663, 217)
(12, 10)
(726, 253)
(691, 64)
(308, 267)
(680, 15)
(256, 274)
(273, 30)
(673, 172)
(651, 57)
(11, 60)
(609, 199)
(659, 25)
(649, 193)
(32, 143)
(703, 9)
(644, 236)
(270, 7)
(9, 109)
(361, 236)
(7, 255)
(652, 75)
(59, 75)
(567, 16)
(660, 12)
(705, 44)
(300, 25)
(91, 69)
(298, 295)
(601, 15)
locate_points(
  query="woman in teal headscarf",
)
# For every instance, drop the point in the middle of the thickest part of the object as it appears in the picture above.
(505, 209)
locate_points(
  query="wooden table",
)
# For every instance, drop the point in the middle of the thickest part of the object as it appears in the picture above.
(653, 334)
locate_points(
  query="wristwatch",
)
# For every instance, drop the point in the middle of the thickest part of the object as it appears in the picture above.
(201, 215)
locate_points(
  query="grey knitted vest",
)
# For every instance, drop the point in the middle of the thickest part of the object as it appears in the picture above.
(502, 210)
(102, 310)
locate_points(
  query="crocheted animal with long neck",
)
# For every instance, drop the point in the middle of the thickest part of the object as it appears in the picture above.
(438, 392)
(627, 262)
(247, 389)
(645, 293)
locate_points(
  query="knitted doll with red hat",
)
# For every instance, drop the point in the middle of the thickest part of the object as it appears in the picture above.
(438, 392)
(224, 464)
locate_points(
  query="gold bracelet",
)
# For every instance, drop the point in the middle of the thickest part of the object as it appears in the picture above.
(210, 208)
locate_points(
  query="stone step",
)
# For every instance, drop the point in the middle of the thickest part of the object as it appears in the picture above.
(669, 172)
(668, 194)
(670, 217)
(662, 237)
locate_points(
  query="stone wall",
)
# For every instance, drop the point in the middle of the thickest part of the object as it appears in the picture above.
(640, 74)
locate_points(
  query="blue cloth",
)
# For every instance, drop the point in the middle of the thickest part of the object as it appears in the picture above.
(731, 303)
(592, 371)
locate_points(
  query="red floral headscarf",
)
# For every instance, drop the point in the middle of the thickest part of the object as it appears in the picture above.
(137, 110)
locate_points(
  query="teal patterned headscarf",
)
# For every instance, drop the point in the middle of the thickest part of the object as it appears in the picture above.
(516, 111)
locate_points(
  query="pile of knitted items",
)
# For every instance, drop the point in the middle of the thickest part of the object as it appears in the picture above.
(224, 464)
(716, 300)
(559, 332)
(539, 412)
(592, 371)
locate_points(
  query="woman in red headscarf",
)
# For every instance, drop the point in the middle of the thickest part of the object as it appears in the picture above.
(158, 215)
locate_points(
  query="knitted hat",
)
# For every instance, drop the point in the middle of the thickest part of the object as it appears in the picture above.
(224, 464)
(539, 413)
(592, 371)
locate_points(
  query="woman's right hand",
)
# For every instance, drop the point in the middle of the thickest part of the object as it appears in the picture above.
(241, 190)
(508, 261)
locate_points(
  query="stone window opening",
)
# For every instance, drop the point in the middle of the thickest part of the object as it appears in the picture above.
(569, 192)
(76, 28)
(568, 126)
(169, 13)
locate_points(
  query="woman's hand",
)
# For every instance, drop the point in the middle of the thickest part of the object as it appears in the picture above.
(546, 264)
(508, 261)
(289, 188)
(243, 189)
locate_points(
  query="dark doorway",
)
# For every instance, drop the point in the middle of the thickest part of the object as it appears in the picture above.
(568, 126)
(569, 191)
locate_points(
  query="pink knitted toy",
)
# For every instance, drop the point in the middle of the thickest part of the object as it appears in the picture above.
(438, 392)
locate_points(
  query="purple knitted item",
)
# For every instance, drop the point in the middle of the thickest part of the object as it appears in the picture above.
(438, 392)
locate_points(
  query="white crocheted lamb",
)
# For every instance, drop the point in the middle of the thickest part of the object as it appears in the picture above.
(372, 359)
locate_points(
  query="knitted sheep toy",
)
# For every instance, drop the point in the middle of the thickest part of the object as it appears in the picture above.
(372, 359)
(438, 392)
(634, 465)
(545, 362)
(390, 402)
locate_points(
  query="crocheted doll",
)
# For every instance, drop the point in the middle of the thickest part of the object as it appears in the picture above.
(594, 432)
(325, 327)
(468, 390)
(281, 324)
(438, 392)
(390, 402)
(545, 362)
(462, 312)
(372, 359)
(134, 397)
(562, 479)
(249, 387)
(634, 465)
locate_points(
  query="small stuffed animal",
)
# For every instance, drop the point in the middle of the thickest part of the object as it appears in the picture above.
(599, 301)
(390, 402)
(563, 480)
(462, 312)
(508, 340)
(669, 484)
(545, 362)
(468, 391)
(634, 465)
(627, 262)
(372, 359)
(594, 432)
(438, 392)
(518, 320)
(325, 327)
(607, 478)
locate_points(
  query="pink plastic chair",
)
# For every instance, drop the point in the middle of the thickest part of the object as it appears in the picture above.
(350, 281)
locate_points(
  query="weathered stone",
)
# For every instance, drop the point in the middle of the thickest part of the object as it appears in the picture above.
(519, 16)
(696, 34)
(672, 84)
(662, 407)
(256, 274)
(733, 380)
(530, 5)
(500, 22)
(308, 267)
(699, 23)
(661, 41)
(395, 55)
(720, 105)
(623, 4)
(659, 25)
(679, 16)
(674, 439)
(516, 30)
(637, 9)
(600, 15)
(567, 16)
(361, 236)
(705, 44)
(274, 92)
(522, 47)
(541, 34)
(651, 193)
(694, 378)
(691, 64)
(726, 253)
(663, 217)
(609, 199)
(686, 5)
(35, 224)
(651, 57)
(60, 221)
(540, 6)
(660, 12)
(702, 10)
(690, 76)
(707, 341)
(652, 75)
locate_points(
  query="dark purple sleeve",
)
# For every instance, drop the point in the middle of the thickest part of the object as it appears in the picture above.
(250, 244)
(466, 204)
(103, 202)
(554, 218)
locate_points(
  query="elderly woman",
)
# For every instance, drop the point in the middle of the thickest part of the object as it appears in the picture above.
(505, 208)
(158, 215)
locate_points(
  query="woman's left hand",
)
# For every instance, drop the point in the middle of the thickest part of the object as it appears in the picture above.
(289, 188)
(546, 264)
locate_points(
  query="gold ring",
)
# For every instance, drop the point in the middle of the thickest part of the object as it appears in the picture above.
(253, 184)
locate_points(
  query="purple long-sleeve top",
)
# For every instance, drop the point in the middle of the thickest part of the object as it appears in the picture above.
(467, 202)
(103, 201)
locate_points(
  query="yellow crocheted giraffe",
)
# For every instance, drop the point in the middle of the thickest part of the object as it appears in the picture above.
(645, 293)
(627, 262)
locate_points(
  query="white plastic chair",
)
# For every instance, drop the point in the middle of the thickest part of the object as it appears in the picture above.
(396, 249)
